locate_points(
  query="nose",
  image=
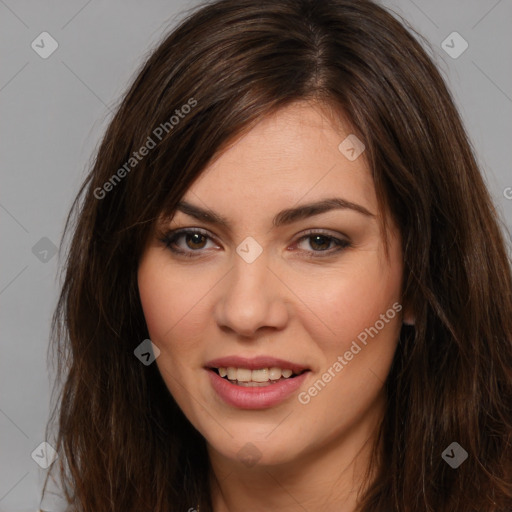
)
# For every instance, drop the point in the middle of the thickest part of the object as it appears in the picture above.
(251, 298)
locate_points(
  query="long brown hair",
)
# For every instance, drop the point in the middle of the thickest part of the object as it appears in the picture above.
(124, 443)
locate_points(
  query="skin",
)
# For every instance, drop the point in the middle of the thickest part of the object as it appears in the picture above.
(283, 304)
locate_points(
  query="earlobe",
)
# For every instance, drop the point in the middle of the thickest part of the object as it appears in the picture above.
(408, 318)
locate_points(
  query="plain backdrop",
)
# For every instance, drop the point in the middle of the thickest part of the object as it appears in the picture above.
(53, 113)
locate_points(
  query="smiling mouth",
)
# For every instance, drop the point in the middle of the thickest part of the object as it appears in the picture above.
(255, 378)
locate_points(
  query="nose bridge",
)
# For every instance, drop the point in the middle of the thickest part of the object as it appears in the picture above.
(250, 298)
(250, 274)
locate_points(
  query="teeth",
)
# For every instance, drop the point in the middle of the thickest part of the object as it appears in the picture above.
(275, 373)
(243, 374)
(258, 376)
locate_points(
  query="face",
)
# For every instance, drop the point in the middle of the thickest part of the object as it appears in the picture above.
(312, 292)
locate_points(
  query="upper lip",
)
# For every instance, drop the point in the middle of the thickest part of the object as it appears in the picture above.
(255, 363)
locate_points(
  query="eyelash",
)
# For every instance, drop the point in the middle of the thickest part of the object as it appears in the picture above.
(169, 239)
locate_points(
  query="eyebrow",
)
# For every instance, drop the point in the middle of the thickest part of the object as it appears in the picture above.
(284, 217)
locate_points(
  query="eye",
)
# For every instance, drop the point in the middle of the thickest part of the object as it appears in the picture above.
(194, 240)
(320, 241)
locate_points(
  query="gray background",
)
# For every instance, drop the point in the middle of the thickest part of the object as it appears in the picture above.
(53, 113)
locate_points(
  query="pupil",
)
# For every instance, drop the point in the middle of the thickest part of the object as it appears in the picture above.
(199, 235)
(321, 237)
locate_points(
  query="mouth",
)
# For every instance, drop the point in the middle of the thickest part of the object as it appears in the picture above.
(259, 377)
(255, 383)
(258, 383)
(255, 371)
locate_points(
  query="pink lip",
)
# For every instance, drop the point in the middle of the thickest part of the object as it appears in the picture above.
(260, 397)
(254, 363)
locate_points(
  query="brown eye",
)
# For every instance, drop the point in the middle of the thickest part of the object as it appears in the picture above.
(320, 244)
(195, 241)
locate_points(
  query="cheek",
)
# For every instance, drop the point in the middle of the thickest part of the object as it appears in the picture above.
(342, 303)
(156, 302)
(165, 312)
(361, 323)
(174, 306)
(166, 296)
(162, 310)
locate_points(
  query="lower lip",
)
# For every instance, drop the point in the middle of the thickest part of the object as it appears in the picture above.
(260, 397)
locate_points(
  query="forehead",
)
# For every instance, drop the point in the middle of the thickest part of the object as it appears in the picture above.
(290, 156)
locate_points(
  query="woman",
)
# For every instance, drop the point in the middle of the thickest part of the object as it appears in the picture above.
(286, 288)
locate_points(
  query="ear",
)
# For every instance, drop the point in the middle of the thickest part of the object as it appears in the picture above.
(408, 317)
